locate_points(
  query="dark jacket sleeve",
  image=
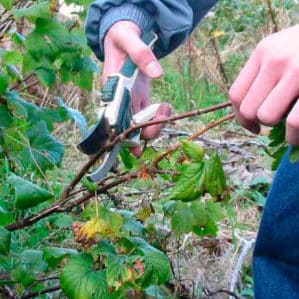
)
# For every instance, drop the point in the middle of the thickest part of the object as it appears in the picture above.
(172, 20)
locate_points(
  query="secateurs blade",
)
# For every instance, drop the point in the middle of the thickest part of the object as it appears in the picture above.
(115, 114)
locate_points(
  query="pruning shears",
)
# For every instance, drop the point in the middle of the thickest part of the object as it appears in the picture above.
(115, 115)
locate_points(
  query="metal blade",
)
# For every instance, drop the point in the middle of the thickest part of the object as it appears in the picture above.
(108, 162)
(96, 138)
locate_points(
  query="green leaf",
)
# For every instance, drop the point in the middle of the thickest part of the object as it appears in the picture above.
(73, 114)
(182, 219)
(5, 117)
(5, 217)
(37, 10)
(104, 248)
(27, 194)
(214, 213)
(157, 264)
(7, 4)
(294, 154)
(55, 255)
(277, 156)
(3, 82)
(30, 264)
(12, 57)
(277, 134)
(116, 269)
(187, 187)
(5, 238)
(43, 151)
(62, 221)
(80, 281)
(157, 267)
(84, 80)
(46, 76)
(200, 216)
(127, 158)
(193, 151)
(34, 260)
(214, 177)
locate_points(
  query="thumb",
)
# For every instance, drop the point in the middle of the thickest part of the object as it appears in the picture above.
(140, 53)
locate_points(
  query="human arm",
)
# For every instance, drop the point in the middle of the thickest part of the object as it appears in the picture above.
(113, 28)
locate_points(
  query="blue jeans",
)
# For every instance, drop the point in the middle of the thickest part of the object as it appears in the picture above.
(276, 255)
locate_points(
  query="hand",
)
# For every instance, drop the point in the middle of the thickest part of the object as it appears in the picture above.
(268, 85)
(122, 40)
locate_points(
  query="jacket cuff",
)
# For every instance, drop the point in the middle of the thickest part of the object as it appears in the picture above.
(125, 12)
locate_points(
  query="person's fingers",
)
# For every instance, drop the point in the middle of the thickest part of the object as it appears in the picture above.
(240, 88)
(140, 53)
(252, 126)
(292, 125)
(136, 151)
(277, 104)
(140, 93)
(245, 79)
(264, 83)
(152, 132)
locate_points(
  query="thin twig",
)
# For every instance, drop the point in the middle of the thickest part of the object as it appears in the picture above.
(45, 291)
(206, 128)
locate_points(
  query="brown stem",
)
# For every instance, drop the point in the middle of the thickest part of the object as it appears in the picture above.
(45, 291)
(220, 64)
(203, 130)
(272, 15)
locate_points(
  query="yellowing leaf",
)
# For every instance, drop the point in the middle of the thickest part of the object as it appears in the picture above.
(218, 33)
(93, 227)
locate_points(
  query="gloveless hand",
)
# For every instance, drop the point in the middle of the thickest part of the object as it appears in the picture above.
(268, 85)
(122, 40)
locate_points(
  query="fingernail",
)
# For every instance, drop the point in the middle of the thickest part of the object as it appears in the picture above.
(154, 69)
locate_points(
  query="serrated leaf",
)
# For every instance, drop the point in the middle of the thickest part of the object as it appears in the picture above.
(3, 82)
(157, 267)
(79, 280)
(116, 270)
(187, 187)
(5, 238)
(36, 10)
(193, 151)
(75, 115)
(43, 151)
(214, 177)
(27, 194)
(55, 255)
(156, 263)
